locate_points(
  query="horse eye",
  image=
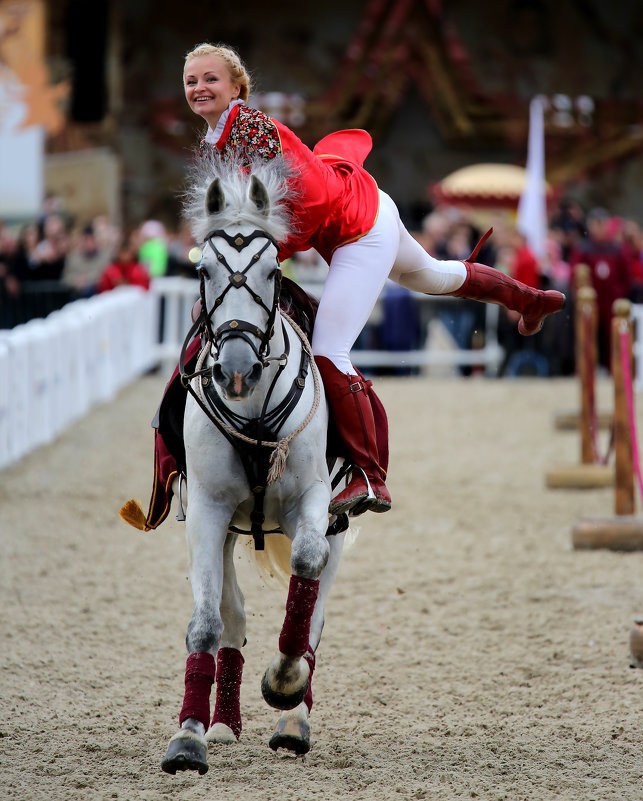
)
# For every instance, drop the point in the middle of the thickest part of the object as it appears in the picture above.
(202, 271)
(273, 274)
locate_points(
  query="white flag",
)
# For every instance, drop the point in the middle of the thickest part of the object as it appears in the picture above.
(532, 207)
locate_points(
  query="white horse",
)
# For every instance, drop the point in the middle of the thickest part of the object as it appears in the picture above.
(255, 437)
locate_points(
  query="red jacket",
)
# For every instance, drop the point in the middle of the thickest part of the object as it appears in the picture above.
(525, 267)
(335, 200)
(122, 274)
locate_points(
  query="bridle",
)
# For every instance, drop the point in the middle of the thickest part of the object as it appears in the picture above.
(238, 279)
(257, 440)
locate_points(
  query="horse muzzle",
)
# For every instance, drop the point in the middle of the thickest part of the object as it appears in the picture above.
(237, 382)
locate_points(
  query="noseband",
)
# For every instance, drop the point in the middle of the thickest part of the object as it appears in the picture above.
(237, 279)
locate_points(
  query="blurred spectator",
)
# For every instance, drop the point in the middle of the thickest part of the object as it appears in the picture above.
(124, 270)
(558, 270)
(85, 263)
(179, 247)
(400, 328)
(153, 248)
(632, 244)
(568, 221)
(9, 284)
(47, 260)
(434, 233)
(306, 266)
(608, 270)
(464, 318)
(108, 236)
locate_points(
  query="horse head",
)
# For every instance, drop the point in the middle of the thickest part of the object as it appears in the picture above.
(240, 285)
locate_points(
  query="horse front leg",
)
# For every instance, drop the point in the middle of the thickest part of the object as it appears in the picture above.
(285, 682)
(205, 534)
(292, 731)
(226, 720)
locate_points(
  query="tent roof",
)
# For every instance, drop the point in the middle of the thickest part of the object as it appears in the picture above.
(483, 184)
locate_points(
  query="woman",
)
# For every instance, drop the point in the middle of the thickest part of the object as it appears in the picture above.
(357, 229)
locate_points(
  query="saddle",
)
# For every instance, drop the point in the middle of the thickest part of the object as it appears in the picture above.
(169, 447)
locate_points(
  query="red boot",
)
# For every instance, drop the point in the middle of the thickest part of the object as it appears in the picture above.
(493, 286)
(347, 395)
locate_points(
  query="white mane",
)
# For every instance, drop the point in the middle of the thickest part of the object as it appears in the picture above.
(239, 209)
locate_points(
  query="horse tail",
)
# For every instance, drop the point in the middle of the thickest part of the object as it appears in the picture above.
(272, 564)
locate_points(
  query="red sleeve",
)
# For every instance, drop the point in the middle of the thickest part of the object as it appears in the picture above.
(106, 281)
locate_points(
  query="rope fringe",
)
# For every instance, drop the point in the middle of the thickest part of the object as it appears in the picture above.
(278, 461)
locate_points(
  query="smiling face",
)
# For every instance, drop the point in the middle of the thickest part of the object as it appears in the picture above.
(209, 87)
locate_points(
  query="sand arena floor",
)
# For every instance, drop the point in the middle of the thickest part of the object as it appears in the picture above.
(469, 651)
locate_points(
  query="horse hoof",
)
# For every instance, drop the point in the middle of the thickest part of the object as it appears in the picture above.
(186, 751)
(220, 734)
(291, 733)
(279, 700)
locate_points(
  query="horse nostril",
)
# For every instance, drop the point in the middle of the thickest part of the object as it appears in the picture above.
(217, 374)
(255, 373)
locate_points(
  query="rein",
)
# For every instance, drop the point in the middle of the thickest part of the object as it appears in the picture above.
(260, 473)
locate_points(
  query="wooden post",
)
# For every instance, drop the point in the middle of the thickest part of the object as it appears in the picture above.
(625, 531)
(623, 463)
(572, 420)
(589, 473)
(586, 333)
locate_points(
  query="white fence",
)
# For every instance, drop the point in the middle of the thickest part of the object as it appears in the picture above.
(179, 295)
(53, 370)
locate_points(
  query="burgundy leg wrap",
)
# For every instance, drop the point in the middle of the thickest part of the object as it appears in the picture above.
(309, 656)
(226, 706)
(199, 675)
(302, 594)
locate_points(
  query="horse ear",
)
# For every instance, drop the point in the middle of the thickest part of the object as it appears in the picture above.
(259, 195)
(215, 199)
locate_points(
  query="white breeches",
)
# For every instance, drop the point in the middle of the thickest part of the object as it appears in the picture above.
(358, 272)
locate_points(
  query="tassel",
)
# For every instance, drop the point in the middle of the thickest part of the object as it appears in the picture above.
(278, 461)
(132, 513)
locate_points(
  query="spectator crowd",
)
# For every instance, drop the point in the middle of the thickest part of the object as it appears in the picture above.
(51, 260)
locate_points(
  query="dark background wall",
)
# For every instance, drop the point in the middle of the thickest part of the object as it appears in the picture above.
(459, 96)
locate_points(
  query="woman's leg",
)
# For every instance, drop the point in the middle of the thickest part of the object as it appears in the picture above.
(415, 269)
(358, 272)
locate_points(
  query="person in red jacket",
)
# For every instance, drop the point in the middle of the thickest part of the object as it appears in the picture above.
(609, 272)
(356, 227)
(124, 270)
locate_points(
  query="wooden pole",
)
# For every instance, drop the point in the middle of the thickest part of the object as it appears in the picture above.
(590, 473)
(571, 421)
(625, 531)
(623, 462)
(586, 351)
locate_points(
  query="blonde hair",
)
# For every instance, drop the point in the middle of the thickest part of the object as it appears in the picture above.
(236, 67)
